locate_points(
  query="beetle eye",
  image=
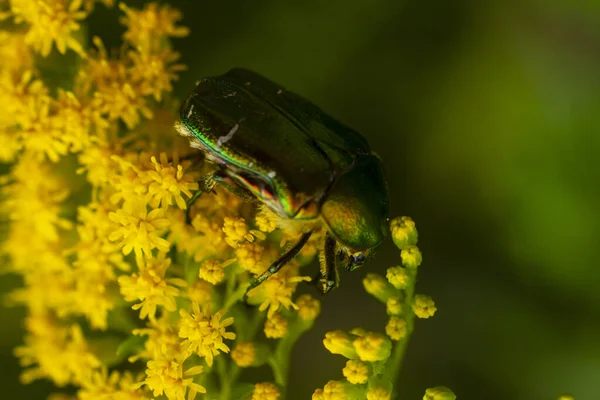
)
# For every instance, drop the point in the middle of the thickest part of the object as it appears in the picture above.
(358, 259)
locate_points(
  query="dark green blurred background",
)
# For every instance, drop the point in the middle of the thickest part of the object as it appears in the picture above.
(487, 117)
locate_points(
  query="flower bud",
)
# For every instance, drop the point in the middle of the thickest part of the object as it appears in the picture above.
(373, 347)
(404, 232)
(411, 257)
(439, 393)
(423, 306)
(339, 342)
(378, 287)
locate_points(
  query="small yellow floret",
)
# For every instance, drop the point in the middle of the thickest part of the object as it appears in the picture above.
(404, 232)
(265, 391)
(243, 354)
(339, 342)
(236, 231)
(212, 271)
(378, 393)
(411, 257)
(378, 287)
(396, 328)
(275, 326)
(394, 306)
(356, 372)
(441, 393)
(373, 347)
(398, 277)
(308, 307)
(423, 306)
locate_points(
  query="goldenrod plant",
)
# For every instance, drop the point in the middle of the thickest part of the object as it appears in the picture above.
(125, 299)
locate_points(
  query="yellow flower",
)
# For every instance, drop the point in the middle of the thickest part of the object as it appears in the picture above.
(275, 326)
(204, 334)
(404, 232)
(411, 257)
(236, 231)
(155, 71)
(265, 220)
(372, 347)
(339, 342)
(308, 307)
(356, 372)
(100, 385)
(378, 393)
(265, 391)
(151, 287)
(58, 353)
(334, 390)
(14, 53)
(201, 292)
(249, 256)
(378, 287)
(396, 328)
(394, 306)
(140, 230)
(162, 340)
(243, 354)
(168, 183)
(212, 270)
(276, 292)
(168, 377)
(398, 277)
(442, 393)
(148, 27)
(423, 306)
(49, 22)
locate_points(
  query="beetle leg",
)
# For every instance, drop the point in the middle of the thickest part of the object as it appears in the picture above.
(279, 263)
(207, 184)
(328, 273)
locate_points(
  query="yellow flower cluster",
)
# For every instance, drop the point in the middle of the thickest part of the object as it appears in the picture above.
(97, 197)
(374, 358)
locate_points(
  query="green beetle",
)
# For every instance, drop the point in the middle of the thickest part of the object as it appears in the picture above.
(306, 167)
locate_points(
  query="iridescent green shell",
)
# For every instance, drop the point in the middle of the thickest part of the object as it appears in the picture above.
(288, 153)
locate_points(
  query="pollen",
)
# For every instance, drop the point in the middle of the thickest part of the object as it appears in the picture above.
(424, 306)
(356, 372)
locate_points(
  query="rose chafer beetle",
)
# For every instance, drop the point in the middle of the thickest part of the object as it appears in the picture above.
(310, 170)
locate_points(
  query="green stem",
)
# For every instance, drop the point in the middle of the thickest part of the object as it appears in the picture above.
(280, 361)
(224, 378)
(394, 363)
